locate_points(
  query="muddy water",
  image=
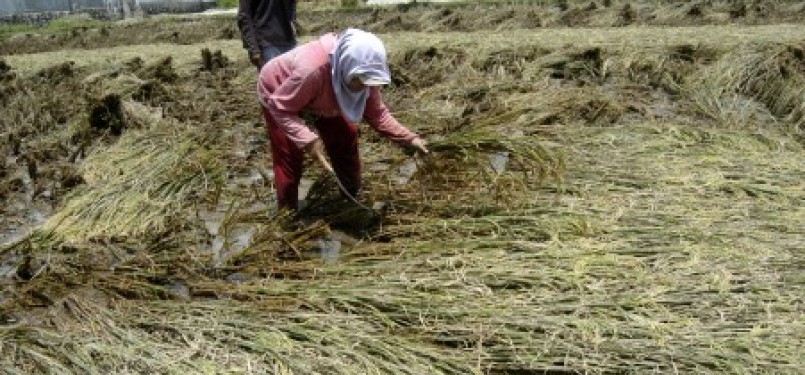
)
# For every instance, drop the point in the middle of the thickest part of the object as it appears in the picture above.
(329, 249)
(498, 161)
(225, 242)
(24, 213)
(405, 171)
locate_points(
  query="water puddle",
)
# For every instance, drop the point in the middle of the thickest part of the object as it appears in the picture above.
(9, 265)
(329, 249)
(332, 247)
(238, 278)
(178, 289)
(304, 187)
(405, 171)
(498, 161)
(254, 178)
(226, 242)
(12, 236)
(23, 213)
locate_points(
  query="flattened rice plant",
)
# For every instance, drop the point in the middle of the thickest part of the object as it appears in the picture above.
(139, 185)
(774, 78)
(481, 166)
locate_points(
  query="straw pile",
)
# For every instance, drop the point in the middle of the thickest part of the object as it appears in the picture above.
(139, 185)
(585, 209)
(729, 89)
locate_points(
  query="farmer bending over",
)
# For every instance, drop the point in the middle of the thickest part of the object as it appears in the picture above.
(335, 78)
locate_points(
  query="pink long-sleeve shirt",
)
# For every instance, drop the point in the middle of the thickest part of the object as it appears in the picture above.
(301, 80)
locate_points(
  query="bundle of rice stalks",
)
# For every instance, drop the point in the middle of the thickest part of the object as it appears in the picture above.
(355, 214)
(752, 86)
(277, 238)
(140, 185)
(474, 166)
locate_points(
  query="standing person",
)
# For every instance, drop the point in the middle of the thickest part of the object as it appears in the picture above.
(267, 28)
(337, 79)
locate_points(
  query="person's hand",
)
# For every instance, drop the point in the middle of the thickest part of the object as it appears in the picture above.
(420, 144)
(316, 149)
(257, 59)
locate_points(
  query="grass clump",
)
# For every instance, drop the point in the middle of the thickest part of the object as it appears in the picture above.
(58, 25)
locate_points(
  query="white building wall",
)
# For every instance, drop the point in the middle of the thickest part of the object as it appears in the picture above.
(114, 8)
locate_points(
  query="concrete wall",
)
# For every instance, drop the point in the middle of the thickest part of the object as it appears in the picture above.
(170, 6)
(10, 8)
(20, 7)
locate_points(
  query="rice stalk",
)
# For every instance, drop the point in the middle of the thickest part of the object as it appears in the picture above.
(139, 187)
(222, 337)
(481, 167)
(726, 90)
(538, 226)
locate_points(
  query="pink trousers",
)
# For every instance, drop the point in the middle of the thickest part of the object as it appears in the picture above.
(341, 142)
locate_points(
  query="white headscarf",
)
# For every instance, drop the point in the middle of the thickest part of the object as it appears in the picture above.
(357, 53)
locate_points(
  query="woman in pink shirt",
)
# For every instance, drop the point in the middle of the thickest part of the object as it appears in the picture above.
(336, 78)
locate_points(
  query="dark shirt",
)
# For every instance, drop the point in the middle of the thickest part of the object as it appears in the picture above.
(266, 22)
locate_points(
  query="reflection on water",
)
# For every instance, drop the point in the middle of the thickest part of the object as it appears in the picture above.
(405, 171)
(243, 238)
(498, 161)
(178, 289)
(226, 242)
(34, 217)
(12, 236)
(23, 214)
(329, 249)
(8, 266)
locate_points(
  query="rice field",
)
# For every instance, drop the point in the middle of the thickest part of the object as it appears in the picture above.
(601, 198)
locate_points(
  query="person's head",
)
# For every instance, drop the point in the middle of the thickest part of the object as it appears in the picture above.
(358, 61)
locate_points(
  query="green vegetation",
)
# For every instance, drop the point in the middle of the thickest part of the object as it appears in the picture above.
(227, 3)
(56, 26)
(7, 30)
